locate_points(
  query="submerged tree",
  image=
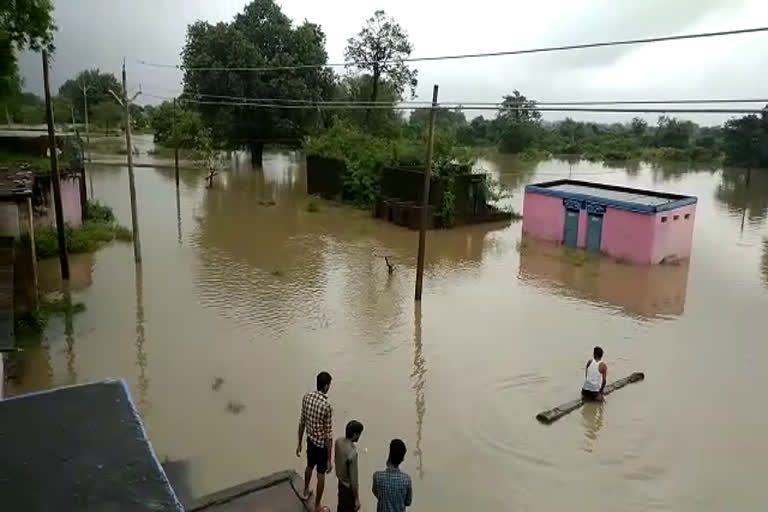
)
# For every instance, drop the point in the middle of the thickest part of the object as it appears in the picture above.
(380, 49)
(260, 37)
(745, 141)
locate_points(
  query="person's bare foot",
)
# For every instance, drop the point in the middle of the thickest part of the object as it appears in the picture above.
(307, 494)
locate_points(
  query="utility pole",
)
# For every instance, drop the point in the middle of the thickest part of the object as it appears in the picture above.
(425, 196)
(63, 258)
(125, 102)
(176, 143)
(84, 88)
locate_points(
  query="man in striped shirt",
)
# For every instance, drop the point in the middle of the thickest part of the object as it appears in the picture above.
(316, 420)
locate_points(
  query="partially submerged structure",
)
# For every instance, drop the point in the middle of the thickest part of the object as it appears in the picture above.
(456, 196)
(635, 225)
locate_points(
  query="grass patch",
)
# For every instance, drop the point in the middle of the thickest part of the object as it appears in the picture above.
(36, 164)
(98, 229)
(30, 323)
(108, 145)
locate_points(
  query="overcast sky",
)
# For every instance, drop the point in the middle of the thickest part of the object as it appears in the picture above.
(98, 33)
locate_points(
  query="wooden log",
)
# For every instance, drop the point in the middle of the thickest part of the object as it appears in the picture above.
(558, 412)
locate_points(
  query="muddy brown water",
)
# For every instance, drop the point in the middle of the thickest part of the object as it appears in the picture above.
(239, 304)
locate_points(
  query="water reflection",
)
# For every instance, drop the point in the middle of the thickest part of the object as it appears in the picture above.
(418, 379)
(644, 291)
(748, 199)
(592, 421)
(765, 262)
(69, 334)
(140, 339)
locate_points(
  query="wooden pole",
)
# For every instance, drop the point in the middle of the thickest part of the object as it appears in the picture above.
(425, 195)
(176, 144)
(55, 179)
(131, 181)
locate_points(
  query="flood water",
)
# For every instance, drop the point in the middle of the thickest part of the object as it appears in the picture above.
(239, 304)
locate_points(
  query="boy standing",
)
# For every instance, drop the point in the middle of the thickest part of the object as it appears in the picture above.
(391, 486)
(316, 416)
(346, 467)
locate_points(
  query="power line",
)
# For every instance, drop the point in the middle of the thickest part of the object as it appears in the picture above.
(545, 49)
(488, 107)
(457, 104)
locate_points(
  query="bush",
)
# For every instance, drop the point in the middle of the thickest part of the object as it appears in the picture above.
(98, 212)
(88, 237)
(313, 205)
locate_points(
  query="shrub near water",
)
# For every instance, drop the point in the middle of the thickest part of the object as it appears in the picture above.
(98, 229)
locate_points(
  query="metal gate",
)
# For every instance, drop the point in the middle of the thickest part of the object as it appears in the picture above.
(571, 230)
(594, 232)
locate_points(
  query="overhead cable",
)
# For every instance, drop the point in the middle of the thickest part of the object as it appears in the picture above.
(545, 49)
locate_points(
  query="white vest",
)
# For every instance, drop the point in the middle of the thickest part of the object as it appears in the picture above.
(594, 380)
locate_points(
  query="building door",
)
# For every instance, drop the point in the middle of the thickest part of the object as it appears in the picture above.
(594, 231)
(571, 232)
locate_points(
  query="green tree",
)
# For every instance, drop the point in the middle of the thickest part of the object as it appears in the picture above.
(261, 36)
(23, 24)
(107, 114)
(175, 126)
(385, 122)
(638, 126)
(517, 123)
(673, 133)
(99, 84)
(380, 49)
(745, 141)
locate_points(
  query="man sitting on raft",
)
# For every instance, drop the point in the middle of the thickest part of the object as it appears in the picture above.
(595, 376)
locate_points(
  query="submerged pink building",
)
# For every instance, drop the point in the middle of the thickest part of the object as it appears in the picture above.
(640, 226)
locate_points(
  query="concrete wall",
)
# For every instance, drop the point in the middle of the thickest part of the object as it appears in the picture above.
(628, 235)
(543, 216)
(9, 219)
(673, 238)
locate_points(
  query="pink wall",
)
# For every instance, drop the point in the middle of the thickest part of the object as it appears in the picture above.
(637, 237)
(628, 235)
(70, 204)
(70, 201)
(674, 237)
(543, 216)
(581, 236)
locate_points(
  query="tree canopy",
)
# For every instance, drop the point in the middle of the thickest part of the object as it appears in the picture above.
(379, 49)
(261, 36)
(99, 84)
(175, 126)
(746, 140)
(23, 24)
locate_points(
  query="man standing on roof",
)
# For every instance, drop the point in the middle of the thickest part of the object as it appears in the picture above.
(595, 375)
(316, 416)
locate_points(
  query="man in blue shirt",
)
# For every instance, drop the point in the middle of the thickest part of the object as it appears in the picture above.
(391, 486)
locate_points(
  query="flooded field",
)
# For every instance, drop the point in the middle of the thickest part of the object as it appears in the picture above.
(240, 302)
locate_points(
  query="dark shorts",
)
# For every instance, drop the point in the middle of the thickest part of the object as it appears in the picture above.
(346, 499)
(590, 395)
(317, 456)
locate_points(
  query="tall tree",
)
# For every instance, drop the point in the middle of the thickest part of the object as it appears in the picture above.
(261, 36)
(23, 24)
(517, 122)
(176, 126)
(380, 49)
(745, 141)
(99, 84)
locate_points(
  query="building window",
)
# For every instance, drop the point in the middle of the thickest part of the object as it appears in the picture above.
(676, 217)
(687, 215)
(663, 219)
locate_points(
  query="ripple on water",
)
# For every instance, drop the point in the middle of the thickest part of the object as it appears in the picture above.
(495, 422)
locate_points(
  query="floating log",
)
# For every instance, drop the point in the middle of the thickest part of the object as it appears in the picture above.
(558, 412)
